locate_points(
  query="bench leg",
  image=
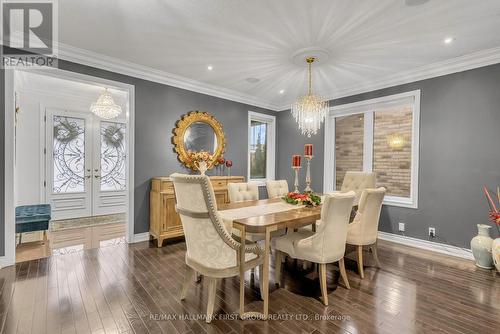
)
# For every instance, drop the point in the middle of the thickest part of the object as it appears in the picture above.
(20, 238)
(44, 237)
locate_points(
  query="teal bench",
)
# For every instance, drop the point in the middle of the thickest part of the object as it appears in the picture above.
(31, 218)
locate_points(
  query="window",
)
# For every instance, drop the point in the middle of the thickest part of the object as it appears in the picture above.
(261, 143)
(379, 135)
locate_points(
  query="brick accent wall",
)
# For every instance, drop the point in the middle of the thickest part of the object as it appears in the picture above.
(349, 132)
(393, 166)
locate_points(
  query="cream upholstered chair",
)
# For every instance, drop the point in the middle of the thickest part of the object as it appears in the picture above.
(326, 245)
(363, 230)
(278, 188)
(357, 182)
(239, 192)
(211, 250)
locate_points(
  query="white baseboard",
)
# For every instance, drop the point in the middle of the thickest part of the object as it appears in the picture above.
(139, 237)
(427, 245)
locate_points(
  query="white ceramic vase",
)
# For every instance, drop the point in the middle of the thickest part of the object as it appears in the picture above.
(481, 247)
(202, 167)
(495, 252)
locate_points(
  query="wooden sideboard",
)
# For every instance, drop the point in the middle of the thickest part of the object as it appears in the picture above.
(164, 222)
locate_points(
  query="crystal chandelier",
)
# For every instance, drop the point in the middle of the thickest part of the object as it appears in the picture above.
(105, 107)
(310, 110)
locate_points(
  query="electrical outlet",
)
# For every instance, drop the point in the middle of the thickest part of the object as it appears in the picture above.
(401, 227)
(432, 232)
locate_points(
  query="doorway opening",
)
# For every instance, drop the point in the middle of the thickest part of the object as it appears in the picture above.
(72, 161)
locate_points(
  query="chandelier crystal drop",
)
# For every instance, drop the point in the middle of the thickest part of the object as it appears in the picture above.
(310, 110)
(105, 107)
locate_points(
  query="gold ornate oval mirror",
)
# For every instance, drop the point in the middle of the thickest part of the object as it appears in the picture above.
(198, 131)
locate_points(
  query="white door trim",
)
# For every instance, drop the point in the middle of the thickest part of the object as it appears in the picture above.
(9, 214)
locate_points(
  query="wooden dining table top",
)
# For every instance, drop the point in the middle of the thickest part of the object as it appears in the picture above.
(297, 216)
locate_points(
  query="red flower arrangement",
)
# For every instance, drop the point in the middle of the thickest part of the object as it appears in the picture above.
(307, 199)
(494, 215)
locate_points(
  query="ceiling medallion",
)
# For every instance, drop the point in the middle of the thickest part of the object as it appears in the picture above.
(310, 110)
(105, 107)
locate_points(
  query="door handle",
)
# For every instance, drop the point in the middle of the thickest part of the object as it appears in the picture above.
(88, 176)
(97, 176)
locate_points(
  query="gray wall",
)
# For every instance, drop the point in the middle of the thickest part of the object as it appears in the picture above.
(157, 108)
(2, 163)
(459, 153)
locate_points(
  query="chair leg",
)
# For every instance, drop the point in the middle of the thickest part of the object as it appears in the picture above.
(343, 273)
(190, 273)
(322, 282)
(212, 289)
(375, 255)
(261, 281)
(360, 262)
(277, 267)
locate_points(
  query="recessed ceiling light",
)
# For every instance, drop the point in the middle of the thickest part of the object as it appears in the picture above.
(413, 3)
(252, 80)
(282, 91)
(448, 40)
(210, 67)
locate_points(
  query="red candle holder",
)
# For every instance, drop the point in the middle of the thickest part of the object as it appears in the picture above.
(296, 160)
(308, 150)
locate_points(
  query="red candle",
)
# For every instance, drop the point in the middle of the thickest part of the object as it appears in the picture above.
(308, 150)
(296, 160)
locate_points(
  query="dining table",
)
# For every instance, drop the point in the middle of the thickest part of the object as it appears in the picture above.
(264, 217)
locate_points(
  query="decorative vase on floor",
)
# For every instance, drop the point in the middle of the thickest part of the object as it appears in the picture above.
(481, 247)
(495, 252)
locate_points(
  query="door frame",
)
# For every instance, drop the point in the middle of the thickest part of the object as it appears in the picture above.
(9, 257)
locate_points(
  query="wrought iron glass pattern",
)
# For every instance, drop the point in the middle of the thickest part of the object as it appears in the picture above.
(113, 156)
(69, 154)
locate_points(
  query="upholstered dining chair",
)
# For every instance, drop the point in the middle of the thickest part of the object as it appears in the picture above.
(278, 188)
(364, 228)
(326, 245)
(357, 182)
(211, 250)
(239, 192)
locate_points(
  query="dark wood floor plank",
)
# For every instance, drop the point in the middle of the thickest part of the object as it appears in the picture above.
(135, 289)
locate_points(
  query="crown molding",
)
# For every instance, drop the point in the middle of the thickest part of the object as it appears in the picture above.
(458, 64)
(93, 59)
(454, 65)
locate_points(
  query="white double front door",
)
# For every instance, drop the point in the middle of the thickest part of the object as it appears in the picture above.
(86, 164)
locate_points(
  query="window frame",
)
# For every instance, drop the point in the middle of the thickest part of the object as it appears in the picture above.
(270, 120)
(367, 107)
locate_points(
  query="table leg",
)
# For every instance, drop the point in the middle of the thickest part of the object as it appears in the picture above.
(242, 271)
(265, 278)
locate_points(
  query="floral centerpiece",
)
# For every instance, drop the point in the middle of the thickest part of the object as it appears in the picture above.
(201, 159)
(307, 198)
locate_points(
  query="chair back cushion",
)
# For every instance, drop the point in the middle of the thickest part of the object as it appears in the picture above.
(207, 240)
(364, 228)
(278, 188)
(358, 181)
(328, 243)
(240, 192)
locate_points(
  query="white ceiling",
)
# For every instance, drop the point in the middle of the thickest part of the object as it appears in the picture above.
(367, 41)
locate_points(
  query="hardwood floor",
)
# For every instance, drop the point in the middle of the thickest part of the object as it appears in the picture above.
(135, 288)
